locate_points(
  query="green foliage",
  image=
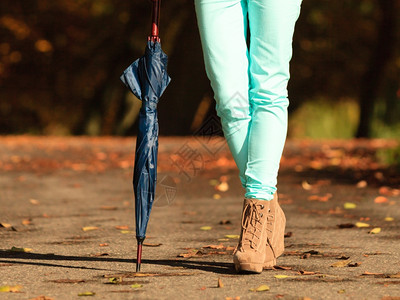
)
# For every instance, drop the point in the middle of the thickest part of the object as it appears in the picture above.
(323, 119)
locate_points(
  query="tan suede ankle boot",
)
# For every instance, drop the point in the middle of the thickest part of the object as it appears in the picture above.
(257, 226)
(276, 243)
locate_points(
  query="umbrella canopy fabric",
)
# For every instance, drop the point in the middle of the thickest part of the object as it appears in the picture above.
(147, 79)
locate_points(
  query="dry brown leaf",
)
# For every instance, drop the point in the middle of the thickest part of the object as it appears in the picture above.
(225, 222)
(5, 225)
(345, 225)
(220, 246)
(366, 273)
(282, 268)
(302, 272)
(105, 207)
(152, 244)
(232, 298)
(103, 245)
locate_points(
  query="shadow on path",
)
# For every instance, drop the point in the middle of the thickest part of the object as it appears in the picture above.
(29, 258)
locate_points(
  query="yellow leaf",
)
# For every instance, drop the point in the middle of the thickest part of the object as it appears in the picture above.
(362, 225)
(16, 249)
(261, 288)
(375, 230)
(89, 228)
(136, 286)
(306, 185)
(87, 294)
(216, 196)
(349, 205)
(5, 225)
(10, 289)
(222, 187)
(205, 228)
(232, 236)
(213, 182)
(389, 219)
(220, 284)
(281, 276)
(341, 264)
(126, 231)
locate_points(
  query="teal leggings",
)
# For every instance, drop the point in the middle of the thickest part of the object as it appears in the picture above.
(250, 84)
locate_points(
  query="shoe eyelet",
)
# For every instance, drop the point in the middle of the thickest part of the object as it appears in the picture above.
(261, 215)
(262, 206)
(269, 210)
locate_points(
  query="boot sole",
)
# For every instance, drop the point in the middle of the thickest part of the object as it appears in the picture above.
(249, 268)
(269, 264)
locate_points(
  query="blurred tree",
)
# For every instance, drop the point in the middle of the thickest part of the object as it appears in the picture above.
(60, 62)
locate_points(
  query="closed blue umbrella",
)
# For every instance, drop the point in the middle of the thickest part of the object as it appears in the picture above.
(147, 79)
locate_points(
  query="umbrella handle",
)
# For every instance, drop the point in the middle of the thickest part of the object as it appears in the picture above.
(155, 21)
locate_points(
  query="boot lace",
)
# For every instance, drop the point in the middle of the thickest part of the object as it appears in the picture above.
(252, 224)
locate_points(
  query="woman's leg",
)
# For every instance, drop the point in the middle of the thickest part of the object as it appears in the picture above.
(223, 29)
(271, 31)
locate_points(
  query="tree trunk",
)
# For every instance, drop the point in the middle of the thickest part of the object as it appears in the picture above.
(385, 44)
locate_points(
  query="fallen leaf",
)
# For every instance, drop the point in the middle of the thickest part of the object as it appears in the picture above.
(343, 257)
(395, 275)
(220, 246)
(302, 272)
(232, 236)
(261, 288)
(281, 276)
(136, 286)
(389, 219)
(320, 198)
(10, 289)
(376, 230)
(16, 249)
(89, 228)
(341, 291)
(122, 227)
(353, 265)
(87, 294)
(152, 245)
(349, 205)
(361, 184)
(282, 268)
(193, 253)
(381, 199)
(42, 298)
(346, 225)
(5, 225)
(205, 228)
(362, 225)
(220, 284)
(126, 231)
(103, 245)
(225, 222)
(105, 207)
(222, 187)
(232, 298)
(216, 196)
(26, 222)
(341, 264)
(34, 201)
(305, 185)
(371, 273)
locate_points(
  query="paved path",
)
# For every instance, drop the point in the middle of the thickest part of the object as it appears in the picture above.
(54, 190)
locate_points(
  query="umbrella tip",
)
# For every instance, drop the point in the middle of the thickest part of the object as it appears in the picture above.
(139, 254)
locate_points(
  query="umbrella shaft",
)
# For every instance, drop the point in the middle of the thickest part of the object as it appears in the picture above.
(155, 21)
